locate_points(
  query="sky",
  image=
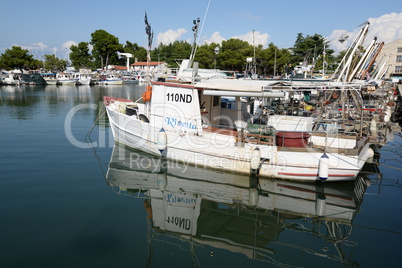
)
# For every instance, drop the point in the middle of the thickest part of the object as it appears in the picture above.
(51, 27)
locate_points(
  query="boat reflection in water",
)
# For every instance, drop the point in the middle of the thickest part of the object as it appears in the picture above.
(252, 216)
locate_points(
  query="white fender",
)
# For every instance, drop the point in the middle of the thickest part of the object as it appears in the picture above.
(161, 142)
(323, 167)
(255, 160)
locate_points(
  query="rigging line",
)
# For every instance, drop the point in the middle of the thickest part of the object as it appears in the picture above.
(390, 167)
(378, 229)
(202, 27)
(97, 119)
(89, 140)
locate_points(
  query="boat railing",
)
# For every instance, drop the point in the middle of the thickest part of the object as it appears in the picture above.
(336, 140)
(347, 141)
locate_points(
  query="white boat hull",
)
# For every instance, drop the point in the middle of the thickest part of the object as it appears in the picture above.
(113, 82)
(67, 82)
(84, 81)
(218, 151)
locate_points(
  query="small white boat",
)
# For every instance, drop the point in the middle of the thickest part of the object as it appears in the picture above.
(50, 78)
(66, 79)
(10, 78)
(129, 79)
(83, 79)
(111, 80)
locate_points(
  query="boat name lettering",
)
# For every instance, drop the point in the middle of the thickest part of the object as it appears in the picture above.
(177, 97)
(171, 198)
(173, 122)
(180, 222)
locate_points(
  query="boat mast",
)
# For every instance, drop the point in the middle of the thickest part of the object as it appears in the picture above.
(323, 61)
(150, 34)
(194, 47)
(255, 67)
(275, 64)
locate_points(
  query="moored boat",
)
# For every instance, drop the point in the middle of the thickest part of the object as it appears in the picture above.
(83, 79)
(129, 79)
(183, 122)
(66, 79)
(111, 80)
(50, 78)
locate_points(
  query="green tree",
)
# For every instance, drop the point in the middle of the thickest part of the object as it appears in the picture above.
(303, 50)
(309, 50)
(105, 48)
(54, 64)
(268, 58)
(139, 53)
(171, 52)
(19, 58)
(206, 56)
(234, 53)
(80, 56)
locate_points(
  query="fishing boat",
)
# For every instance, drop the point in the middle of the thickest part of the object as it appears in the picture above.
(185, 122)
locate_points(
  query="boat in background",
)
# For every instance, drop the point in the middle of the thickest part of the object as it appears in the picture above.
(11, 78)
(66, 79)
(129, 79)
(110, 79)
(50, 78)
(83, 79)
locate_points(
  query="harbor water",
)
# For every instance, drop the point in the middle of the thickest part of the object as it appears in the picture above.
(71, 197)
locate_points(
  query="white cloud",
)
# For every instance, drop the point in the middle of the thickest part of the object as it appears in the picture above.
(170, 36)
(215, 38)
(386, 28)
(33, 47)
(256, 38)
(68, 44)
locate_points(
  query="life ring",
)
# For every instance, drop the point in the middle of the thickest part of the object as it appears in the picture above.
(146, 96)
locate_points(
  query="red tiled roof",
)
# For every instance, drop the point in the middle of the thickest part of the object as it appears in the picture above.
(144, 63)
(116, 67)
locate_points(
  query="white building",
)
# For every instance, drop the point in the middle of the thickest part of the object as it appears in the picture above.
(153, 65)
(389, 60)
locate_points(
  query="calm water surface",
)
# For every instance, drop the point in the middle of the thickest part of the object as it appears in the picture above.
(67, 202)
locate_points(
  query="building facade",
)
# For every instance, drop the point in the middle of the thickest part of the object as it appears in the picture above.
(389, 60)
(153, 65)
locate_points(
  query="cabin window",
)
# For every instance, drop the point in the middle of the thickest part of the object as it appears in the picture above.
(226, 105)
(216, 101)
(398, 69)
(399, 58)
